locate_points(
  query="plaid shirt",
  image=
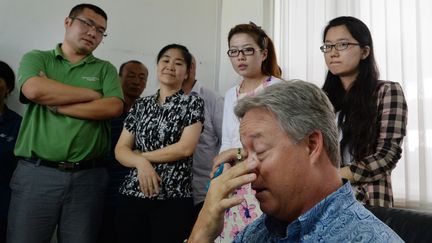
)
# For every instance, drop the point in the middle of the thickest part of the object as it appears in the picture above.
(372, 175)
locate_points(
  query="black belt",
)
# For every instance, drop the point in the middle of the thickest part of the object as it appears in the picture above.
(68, 166)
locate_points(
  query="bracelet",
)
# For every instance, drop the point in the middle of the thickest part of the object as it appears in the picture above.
(239, 155)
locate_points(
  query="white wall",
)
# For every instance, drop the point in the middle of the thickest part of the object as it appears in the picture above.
(137, 29)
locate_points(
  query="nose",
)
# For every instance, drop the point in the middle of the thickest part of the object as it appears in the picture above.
(241, 55)
(92, 32)
(135, 80)
(334, 52)
(171, 66)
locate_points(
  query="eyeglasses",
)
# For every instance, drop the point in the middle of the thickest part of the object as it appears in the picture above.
(340, 46)
(248, 51)
(90, 25)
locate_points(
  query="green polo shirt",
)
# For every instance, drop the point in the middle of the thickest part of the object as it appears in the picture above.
(55, 137)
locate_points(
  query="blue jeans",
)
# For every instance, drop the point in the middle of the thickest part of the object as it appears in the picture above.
(44, 197)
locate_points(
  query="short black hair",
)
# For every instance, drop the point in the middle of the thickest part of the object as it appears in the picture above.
(8, 75)
(75, 11)
(124, 64)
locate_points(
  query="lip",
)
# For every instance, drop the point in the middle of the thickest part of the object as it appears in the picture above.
(335, 62)
(169, 74)
(242, 66)
(259, 194)
(88, 41)
(258, 189)
(135, 88)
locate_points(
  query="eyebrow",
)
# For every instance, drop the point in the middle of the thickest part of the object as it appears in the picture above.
(254, 136)
(133, 72)
(338, 40)
(243, 46)
(93, 22)
(257, 141)
(177, 58)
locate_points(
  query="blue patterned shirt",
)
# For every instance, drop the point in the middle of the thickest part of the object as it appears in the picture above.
(337, 218)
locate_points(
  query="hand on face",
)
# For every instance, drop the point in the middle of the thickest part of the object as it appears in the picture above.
(210, 219)
(227, 156)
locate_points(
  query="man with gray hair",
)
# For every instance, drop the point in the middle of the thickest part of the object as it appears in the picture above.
(291, 139)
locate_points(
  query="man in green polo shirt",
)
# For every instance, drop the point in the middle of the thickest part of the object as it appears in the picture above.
(65, 134)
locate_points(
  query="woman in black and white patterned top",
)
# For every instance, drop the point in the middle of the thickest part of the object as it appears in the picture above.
(157, 142)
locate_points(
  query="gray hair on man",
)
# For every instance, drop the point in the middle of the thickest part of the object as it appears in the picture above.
(300, 108)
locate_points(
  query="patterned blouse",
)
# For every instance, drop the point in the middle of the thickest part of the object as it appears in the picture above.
(156, 126)
(372, 175)
(237, 217)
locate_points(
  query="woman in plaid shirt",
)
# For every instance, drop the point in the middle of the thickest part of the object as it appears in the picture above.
(371, 113)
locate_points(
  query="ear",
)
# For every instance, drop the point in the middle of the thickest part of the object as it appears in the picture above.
(67, 22)
(264, 54)
(315, 144)
(365, 52)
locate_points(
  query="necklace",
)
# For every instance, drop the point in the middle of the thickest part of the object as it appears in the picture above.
(258, 89)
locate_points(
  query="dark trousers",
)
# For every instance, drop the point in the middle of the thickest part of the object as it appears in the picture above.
(163, 221)
(4, 205)
(3, 226)
(108, 230)
(196, 210)
(44, 197)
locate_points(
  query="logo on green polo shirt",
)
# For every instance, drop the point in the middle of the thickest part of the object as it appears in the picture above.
(91, 79)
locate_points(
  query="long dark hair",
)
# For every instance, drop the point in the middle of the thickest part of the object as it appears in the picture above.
(358, 104)
(269, 66)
